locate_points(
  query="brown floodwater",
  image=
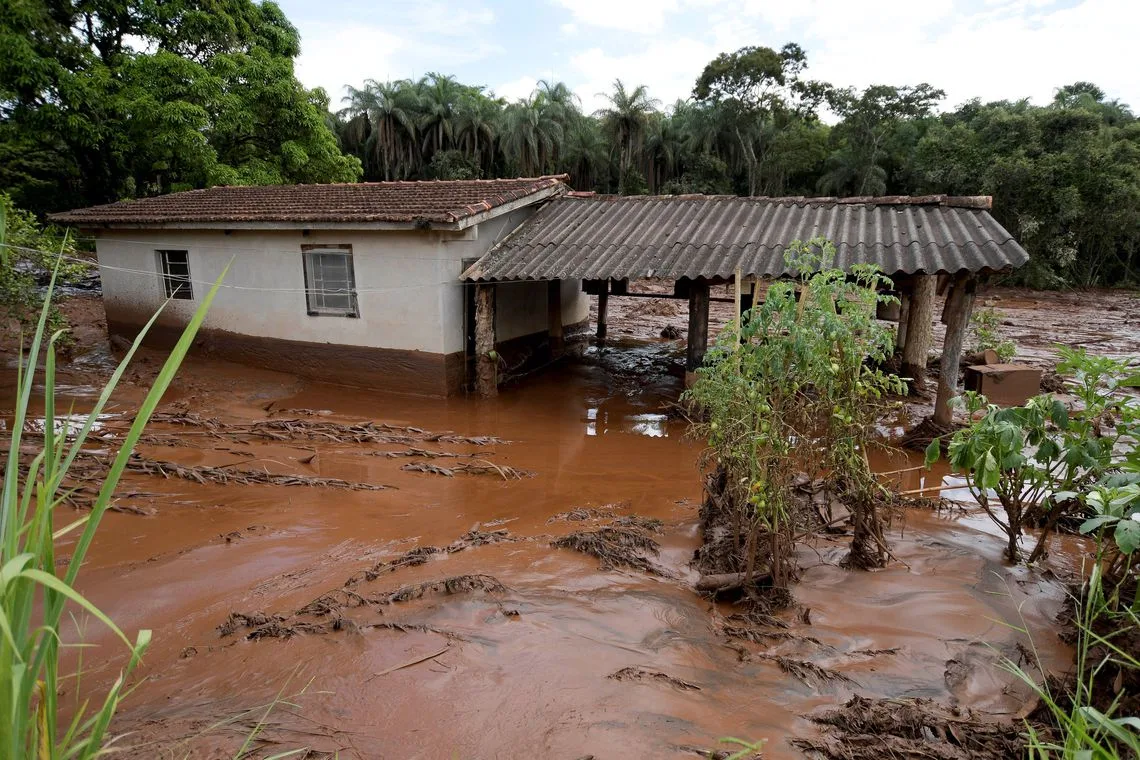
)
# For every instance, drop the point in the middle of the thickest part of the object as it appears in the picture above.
(525, 673)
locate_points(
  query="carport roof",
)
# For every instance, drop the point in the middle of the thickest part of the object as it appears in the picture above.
(608, 237)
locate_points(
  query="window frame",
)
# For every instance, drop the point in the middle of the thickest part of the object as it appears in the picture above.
(174, 286)
(309, 275)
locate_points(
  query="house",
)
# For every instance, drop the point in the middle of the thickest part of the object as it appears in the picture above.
(352, 283)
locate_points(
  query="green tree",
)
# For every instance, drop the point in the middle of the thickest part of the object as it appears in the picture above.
(625, 121)
(139, 98)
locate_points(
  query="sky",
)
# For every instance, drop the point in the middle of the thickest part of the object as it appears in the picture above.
(990, 49)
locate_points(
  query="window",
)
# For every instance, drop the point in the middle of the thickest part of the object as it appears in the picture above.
(175, 267)
(330, 286)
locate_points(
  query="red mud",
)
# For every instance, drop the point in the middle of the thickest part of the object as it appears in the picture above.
(525, 672)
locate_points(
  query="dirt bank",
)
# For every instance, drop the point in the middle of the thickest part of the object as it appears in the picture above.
(564, 654)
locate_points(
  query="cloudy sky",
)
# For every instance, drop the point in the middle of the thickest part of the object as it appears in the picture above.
(991, 49)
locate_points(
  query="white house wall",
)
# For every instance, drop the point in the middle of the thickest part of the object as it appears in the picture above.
(408, 289)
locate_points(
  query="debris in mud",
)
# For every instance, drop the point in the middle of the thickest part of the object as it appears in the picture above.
(807, 672)
(635, 673)
(203, 474)
(926, 431)
(333, 432)
(670, 332)
(458, 584)
(1052, 382)
(417, 556)
(581, 514)
(480, 467)
(865, 729)
(238, 620)
(615, 546)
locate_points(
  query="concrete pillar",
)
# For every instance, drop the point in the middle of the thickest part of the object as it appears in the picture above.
(486, 357)
(554, 316)
(603, 304)
(959, 305)
(919, 330)
(698, 337)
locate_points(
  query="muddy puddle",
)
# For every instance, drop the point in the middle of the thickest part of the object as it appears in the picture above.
(559, 654)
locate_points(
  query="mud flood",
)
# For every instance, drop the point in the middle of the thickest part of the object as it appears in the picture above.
(549, 652)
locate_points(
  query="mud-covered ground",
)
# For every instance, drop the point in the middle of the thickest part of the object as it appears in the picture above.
(434, 617)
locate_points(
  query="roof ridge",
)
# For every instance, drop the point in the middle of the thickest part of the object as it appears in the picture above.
(984, 202)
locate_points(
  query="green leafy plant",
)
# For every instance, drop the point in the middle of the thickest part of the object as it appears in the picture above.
(792, 388)
(36, 587)
(986, 326)
(1029, 466)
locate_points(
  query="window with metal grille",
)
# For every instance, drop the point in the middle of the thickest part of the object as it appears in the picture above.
(330, 285)
(175, 267)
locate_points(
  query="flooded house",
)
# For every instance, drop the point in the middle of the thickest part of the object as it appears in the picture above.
(352, 283)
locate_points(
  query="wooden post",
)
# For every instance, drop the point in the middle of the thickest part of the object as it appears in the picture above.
(603, 304)
(904, 315)
(554, 315)
(486, 358)
(960, 303)
(698, 338)
(919, 330)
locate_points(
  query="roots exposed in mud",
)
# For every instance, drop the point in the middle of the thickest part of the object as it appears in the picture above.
(616, 546)
(914, 729)
(807, 672)
(204, 474)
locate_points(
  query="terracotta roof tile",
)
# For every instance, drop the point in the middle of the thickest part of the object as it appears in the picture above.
(436, 201)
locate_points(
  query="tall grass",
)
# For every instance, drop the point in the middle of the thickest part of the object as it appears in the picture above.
(36, 590)
(1083, 731)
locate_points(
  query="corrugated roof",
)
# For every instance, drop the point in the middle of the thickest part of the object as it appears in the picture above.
(578, 237)
(437, 201)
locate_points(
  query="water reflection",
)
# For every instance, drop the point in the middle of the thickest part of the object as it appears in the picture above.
(652, 425)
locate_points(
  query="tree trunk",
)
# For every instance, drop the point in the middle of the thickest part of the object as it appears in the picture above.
(486, 358)
(919, 330)
(961, 303)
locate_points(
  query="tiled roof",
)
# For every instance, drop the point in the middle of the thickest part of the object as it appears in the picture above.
(693, 236)
(432, 202)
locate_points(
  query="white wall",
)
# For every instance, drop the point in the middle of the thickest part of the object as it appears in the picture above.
(408, 287)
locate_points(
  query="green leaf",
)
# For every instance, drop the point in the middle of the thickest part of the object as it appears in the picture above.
(933, 452)
(55, 584)
(1127, 535)
(1059, 414)
(1088, 526)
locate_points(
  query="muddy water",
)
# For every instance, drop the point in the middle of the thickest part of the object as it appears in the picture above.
(535, 683)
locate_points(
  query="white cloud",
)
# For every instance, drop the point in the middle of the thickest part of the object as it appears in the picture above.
(1006, 49)
(517, 89)
(642, 16)
(569, 29)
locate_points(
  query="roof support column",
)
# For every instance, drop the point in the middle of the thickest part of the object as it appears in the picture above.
(919, 330)
(554, 316)
(698, 338)
(959, 305)
(486, 358)
(904, 316)
(603, 304)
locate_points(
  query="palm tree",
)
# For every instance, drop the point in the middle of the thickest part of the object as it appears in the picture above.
(584, 154)
(438, 98)
(625, 121)
(530, 139)
(388, 109)
(477, 119)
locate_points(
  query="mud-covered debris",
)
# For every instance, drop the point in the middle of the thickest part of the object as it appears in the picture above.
(581, 514)
(418, 452)
(670, 332)
(332, 602)
(317, 430)
(458, 584)
(808, 672)
(637, 521)
(635, 673)
(238, 620)
(204, 474)
(615, 547)
(865, 729)
(418, 556)
(477, 467)
(477, 537)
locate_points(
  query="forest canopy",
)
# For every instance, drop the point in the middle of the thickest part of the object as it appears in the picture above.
(101, 101)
